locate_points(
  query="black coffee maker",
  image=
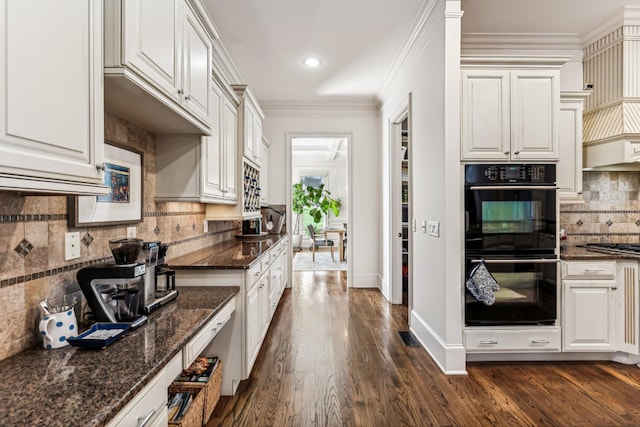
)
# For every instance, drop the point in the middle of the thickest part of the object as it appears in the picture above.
(113, 290)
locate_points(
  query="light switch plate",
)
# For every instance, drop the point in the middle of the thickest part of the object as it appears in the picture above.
(131, 232)
(434, 228)
(206, 226)
(71, 245)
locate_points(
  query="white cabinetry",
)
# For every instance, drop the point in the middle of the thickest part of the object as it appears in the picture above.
(202, 169)
(510, 108)
(627, 307)
(250, 125)
(51, 100)
(569, 170)
(514, 339)
(264, 171)
(254, 310)
(158, 53)
(588, 305)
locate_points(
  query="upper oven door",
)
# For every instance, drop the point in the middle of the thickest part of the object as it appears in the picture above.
(507, 219)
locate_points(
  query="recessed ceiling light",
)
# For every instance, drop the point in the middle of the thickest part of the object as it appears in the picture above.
(312, 62)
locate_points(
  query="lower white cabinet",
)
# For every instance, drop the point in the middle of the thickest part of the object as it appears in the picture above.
(588, 315)
(247, 328)
(148, 408)
(514, 339)
(600, 306)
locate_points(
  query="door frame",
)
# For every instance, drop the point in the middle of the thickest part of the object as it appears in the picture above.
(402, 112)
(289, 137)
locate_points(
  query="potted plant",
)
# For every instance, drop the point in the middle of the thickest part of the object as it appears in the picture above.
(317, 200)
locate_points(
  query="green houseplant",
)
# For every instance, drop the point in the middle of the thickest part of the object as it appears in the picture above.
(319, 202)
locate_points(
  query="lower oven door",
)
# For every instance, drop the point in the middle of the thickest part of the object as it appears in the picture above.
(528, 293)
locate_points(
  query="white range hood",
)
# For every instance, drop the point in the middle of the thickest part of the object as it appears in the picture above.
(611, 120)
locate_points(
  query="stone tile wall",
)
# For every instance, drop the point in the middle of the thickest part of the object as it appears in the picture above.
(610, 213)
(32, 228)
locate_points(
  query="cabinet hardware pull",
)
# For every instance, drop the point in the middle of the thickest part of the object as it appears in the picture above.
(592, 270)
(492, 342)
(517, 261)
(613, 288)
(143, 421)
(180, 91)
(516, 152)
(214, 330)
(539, 342)
(506, 153)
(188, 97)
(100, 167)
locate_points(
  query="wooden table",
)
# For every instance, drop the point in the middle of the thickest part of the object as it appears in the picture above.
(341, 232)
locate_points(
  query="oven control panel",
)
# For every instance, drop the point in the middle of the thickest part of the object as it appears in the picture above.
(510, 173)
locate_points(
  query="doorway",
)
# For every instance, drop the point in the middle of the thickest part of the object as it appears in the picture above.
(320, 161)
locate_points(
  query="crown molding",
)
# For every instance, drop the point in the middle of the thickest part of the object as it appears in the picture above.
(627, 15)
(320, 109)
(520, 41)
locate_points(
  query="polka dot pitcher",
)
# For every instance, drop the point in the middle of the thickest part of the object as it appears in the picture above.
(55, 328)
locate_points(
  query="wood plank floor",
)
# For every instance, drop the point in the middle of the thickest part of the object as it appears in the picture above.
(334, 358)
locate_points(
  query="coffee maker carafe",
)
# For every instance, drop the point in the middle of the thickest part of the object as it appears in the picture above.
(113, 290)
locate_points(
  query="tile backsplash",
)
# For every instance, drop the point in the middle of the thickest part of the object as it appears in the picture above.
(32, 228)
(611, 212)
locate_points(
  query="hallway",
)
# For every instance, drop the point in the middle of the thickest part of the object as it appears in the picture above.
(333, 357)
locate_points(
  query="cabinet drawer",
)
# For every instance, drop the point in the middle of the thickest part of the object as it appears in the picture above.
(149, 404)
(173, 369)
(516, 340)
(207, 333)
(589, 269)
(265, 260)
(253, 274)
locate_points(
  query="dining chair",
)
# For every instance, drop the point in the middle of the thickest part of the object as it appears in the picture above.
(318, 242)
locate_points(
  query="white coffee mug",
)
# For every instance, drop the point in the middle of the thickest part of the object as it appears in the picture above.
(57, 327)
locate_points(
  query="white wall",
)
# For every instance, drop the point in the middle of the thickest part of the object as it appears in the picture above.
(362, 124)
(430, 72)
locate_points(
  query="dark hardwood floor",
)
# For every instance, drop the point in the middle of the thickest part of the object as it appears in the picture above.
(333, 357)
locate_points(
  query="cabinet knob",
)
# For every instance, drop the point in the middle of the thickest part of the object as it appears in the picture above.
(516, 152)
(100, 167)
(180, 91)
(506, 153)
(613, 288)
(188, 97)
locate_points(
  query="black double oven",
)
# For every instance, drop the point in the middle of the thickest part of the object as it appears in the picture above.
(511, 223)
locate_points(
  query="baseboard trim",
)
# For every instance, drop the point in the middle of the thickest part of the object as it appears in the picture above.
(450, 358)
(366, 281)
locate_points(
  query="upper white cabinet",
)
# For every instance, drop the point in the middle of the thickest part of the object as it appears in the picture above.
(510, 108)
(158, 64)
(51, 99)
(264, 171)
(250, 125)
(569, 170)
(202, 169)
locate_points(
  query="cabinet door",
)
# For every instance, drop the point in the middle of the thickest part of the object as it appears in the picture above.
(535, 105)
(569, 170)
(485, 115)
(627, 308)
(230, 116)
(253, 326)
(264, 172)
(249, 120)
(152, 45)
(263, 297)
(51, 100)
(588, 316)
(196, 66)
(257, 139)
(213, 148)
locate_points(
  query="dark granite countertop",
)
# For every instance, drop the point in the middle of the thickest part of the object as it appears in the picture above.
(82, 387)
(581, 253)
(231, 254)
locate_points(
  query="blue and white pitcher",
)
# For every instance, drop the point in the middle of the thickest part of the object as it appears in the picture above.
(55, 328)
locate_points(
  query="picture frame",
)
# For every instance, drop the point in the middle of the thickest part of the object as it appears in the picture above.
(123, 203)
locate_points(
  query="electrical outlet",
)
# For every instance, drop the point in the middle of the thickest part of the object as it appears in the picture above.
(206, 226)
(71, 245)
(434, 228)
(131, 232)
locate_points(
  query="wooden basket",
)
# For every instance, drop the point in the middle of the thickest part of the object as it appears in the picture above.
(210, 391)
(193, 416)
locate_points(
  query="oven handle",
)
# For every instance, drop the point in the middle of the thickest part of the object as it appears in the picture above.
(514, 187)
(516, 261)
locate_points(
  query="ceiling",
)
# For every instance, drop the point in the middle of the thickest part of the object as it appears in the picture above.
(357, 41)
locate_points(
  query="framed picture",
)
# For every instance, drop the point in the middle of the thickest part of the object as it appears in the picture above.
(123, 203)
